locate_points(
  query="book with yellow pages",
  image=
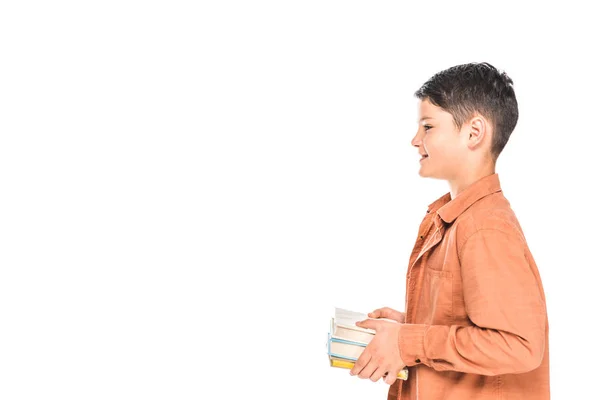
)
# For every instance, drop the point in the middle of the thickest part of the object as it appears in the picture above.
(343, 354)
(346, 341)
(341, 363)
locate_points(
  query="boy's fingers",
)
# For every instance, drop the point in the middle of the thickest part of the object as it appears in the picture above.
(362, 361)
(390, 378)
(384, 312)
(377, 374)
(377, 313)
(369, 324)
(389, 313)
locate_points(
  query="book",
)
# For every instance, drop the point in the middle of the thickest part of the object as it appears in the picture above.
(343, 326)
(346, 349)
(346, 341)
(347, 364)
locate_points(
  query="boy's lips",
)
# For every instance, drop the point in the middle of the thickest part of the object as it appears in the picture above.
(423, 156)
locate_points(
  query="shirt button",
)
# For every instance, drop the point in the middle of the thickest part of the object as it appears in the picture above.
(418, 360)
(427, 211)
(421, 236)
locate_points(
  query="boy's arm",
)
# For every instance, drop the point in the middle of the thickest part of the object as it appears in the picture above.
(504, 300)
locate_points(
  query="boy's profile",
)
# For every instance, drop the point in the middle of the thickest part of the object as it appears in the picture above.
(475, 325)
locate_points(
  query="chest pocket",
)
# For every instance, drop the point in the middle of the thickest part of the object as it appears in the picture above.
(436, 298)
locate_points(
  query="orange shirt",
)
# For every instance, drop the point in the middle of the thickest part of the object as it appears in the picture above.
(476, 321)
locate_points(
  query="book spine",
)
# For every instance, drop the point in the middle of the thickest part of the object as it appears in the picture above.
(361, 344)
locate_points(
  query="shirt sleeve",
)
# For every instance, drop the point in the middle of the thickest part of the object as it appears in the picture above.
(504, 300)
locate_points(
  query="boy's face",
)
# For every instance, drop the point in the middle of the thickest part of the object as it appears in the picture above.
(440, 141)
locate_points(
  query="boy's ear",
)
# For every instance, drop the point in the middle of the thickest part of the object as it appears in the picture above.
(478, 130)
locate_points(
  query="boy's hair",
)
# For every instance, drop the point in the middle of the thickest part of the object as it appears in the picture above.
(466, 89)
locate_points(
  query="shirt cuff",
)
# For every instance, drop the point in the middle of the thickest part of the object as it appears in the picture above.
(411, 342)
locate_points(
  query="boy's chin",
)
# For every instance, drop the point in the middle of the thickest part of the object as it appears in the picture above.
(425, 174)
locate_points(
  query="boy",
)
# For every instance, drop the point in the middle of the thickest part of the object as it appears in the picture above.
(475, 325)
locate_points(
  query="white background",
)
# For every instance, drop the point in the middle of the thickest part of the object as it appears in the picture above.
(188, 189)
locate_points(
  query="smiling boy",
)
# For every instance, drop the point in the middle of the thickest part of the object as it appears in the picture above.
(475, 325)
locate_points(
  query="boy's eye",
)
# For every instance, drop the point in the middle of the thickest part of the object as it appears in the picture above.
(427, 127)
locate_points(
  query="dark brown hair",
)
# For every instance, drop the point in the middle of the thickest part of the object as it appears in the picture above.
(466, 89)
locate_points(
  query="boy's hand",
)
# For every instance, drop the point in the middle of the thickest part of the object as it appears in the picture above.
(381, 357)
(389, 313)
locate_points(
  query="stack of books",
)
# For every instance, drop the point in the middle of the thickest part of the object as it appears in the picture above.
(346, 341)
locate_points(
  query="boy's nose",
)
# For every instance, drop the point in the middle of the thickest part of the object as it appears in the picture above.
(416, 140)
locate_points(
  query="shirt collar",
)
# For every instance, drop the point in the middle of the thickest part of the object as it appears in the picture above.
(439, 203)
(449, 209)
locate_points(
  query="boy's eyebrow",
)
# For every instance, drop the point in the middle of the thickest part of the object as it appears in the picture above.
(424, 118)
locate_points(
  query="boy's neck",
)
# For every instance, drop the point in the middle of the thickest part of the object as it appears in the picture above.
(468, 178)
